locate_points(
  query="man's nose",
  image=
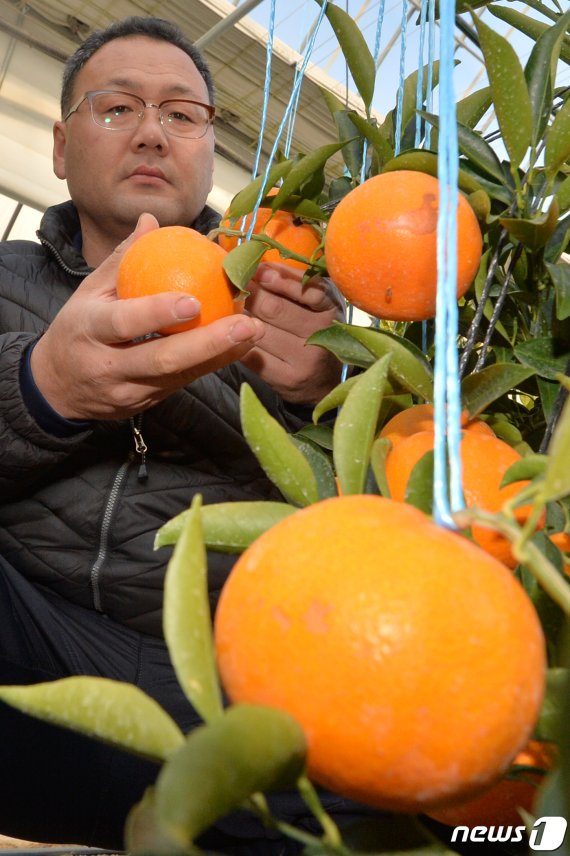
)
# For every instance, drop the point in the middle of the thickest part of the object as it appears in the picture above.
(150, 130)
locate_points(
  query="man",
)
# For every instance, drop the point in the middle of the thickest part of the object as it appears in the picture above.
(106, 433)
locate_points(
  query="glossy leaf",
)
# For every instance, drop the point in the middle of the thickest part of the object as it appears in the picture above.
(244, 201)
(541, 355)
(560, 275)
(409, 99)
(530, 26)
(355, 50)
(563, 194)
(187, 622)
(375, 136)
(423, 161)
(116, 713)
(304, 169)
(419, 490)
(319, 434)
(407, 366)
(481, 389)
(540, 73)
(241, 263)
(355, 427)
(248, 750)
(284, 464)
(352, 151)
(473, 146)
(549, 721)
(338, 340)
(534, 233)
(378, 454)
(320, 464)
(510, 94)
(227, 527)
(557, 150)
(557, 476)
(335, 398)
(529, 467)
(471, 109)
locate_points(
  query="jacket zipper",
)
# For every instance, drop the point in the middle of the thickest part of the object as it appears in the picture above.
(81, 274)
(140, 450)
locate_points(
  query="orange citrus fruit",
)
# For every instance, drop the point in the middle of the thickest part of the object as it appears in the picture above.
(413, 660)
(300, 237)
(381, 245)
(176, 258)
(499, 805)
(562, 541)
(419, 417)
(484, 460)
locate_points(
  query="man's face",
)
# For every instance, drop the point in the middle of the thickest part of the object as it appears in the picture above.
(113, 176)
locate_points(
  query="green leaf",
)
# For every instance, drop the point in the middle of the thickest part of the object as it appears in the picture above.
(352, 151)
(471, 109)
(248, 750)
(540, 73)
(510, 93)
(541, 355)
(481, 389)
(355, 427)
(533, 233)
(421, 160)
(529, 467)
(187, 622)
(370, 130)
(549, 721)
(355, 50)
(419, 490)
(319, 434)
(557, 150)
(244, 201)
(320, 464)
(560, 276)
(335, 398)
(304, 169)
(116, 713)
(531, 27)
(241, 263)
(409, 99)
(378, 454)
(557, 476)
(228, 527)
(338, 340)
(143, 834)
(407, 366)
(563, 194)
(283, 462)
(473, 146)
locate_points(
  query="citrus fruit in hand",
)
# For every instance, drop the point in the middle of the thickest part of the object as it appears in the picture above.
(499, 805)
(176, 258)
(419, 417)
(300, 237)
(413, 660)
(484, 461)
(381, 245)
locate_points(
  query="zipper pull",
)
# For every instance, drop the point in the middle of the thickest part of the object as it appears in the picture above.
(141, 449)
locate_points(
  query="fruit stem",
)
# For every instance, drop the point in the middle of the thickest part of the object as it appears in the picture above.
(270, 242)
(332, 835)
(258, 805)
(524, 550)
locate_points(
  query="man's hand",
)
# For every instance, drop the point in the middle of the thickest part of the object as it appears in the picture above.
(292, 312)
(88, 366)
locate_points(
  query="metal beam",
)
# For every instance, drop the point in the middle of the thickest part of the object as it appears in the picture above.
(226, 23)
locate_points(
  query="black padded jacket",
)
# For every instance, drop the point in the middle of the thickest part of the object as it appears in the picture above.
(75, 517)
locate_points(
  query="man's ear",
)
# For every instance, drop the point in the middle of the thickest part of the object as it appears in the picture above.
(59, 140)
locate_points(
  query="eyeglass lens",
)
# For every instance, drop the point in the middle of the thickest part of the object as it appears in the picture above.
(122, 112)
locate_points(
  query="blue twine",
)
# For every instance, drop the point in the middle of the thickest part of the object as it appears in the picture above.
(420, 81)
(447, 393)
(400, 101)
(379, 24)
(431, 54)
(286, 115)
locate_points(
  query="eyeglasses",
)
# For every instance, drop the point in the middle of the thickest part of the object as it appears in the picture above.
(121, 111)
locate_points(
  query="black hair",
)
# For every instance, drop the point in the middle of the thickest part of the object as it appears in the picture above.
(136, 25)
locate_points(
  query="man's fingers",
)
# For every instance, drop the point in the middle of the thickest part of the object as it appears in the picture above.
(124, 320)
(318, 294)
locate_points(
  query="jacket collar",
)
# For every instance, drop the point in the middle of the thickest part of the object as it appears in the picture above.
(60, 232)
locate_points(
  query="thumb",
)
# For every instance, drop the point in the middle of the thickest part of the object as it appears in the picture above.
(146, 223)
(104, 276)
